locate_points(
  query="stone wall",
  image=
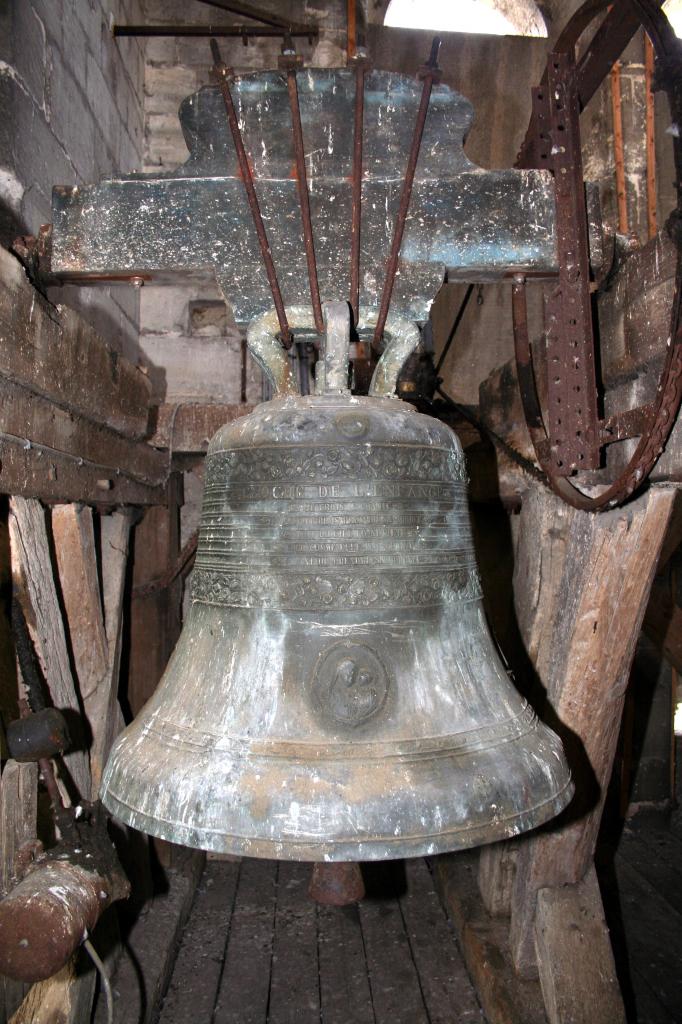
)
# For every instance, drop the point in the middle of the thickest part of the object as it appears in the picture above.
(72, 106)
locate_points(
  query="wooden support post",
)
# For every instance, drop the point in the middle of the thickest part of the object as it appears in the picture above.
(537, 571)
(156, 615)
(607, 571)
(74, 545)
(504, 997)
(496, 871)
(103, 706)
(577, 970)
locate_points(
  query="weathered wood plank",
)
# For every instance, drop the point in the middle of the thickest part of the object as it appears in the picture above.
(38, 438)
(653, 934)
(446, 987)
(114, 542)
(294, 984)
(344, 986)
(156, 615)
(74, 547)
(33, 577)
(18, 814)
(394, 982)
(496, 870)
(647, 1006)
(188, 427)
(193, 990)
(483, 940)
(575, 960)
(673, 537)
(95, 658)
(54, 353)
(245, 983)
(58, 1000)
(143, 972)
(102, 706)
(155, 618)
(36, 473)
(656, 855)
(541, 547)
(609, 564)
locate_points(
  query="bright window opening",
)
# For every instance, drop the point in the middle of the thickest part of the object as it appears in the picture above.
(678, 719)
(487, 17)
(673, 10)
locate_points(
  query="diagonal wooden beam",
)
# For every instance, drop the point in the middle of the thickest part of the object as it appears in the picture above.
(33, 576)
(256, 14)
(600, 598)
(74, 545)
(103, 708)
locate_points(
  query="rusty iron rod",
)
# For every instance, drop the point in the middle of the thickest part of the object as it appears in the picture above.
(356, 215)
(226, 31)
(48, 776)
(429, 72)
(304, 199)
(222, 74)
(652, 224)
(619, 152)
(351, 28)
(245, 357)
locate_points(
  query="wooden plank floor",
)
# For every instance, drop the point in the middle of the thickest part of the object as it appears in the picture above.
(258, 950)
(643, 897)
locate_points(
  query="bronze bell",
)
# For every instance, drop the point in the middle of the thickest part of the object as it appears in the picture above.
(335, 694)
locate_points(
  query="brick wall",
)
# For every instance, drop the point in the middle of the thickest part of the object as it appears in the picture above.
(185, 363)
(178, 67)
(72, 101)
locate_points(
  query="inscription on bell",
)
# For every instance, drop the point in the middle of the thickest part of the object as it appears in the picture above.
(351, 684)
(344, 489)
(298, 526)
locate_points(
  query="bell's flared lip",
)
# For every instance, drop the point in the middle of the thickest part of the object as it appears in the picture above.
(378, 847)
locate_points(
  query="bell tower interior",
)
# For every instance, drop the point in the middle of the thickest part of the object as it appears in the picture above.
(340, 618)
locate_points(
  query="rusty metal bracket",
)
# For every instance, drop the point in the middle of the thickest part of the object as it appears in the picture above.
(571, 381)
(570, 435)
(51, 910)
